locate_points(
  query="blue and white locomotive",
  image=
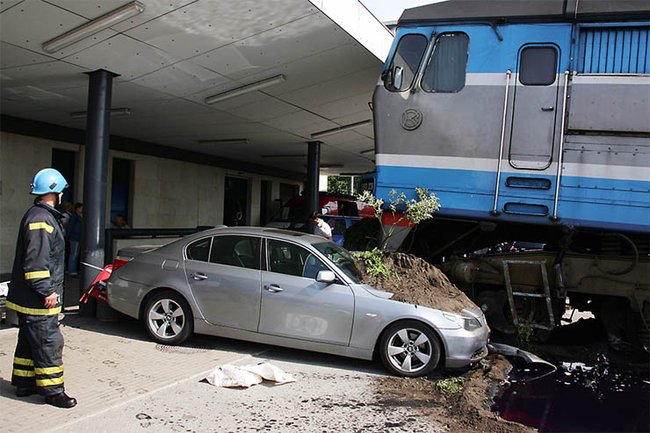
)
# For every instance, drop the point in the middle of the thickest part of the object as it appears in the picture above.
(530, 120)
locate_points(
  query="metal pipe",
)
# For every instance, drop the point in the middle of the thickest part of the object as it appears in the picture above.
(503, 139)
(313, 172)
(417, 82)
(560, 158)
(95, 175)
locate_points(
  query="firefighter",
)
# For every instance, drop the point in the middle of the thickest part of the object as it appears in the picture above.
(35, 294)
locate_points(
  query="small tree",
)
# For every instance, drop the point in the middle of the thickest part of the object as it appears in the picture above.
(338, 184)
(414, 210)
(343, 184)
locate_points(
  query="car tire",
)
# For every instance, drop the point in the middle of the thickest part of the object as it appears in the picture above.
(168, 318)
(410, 349)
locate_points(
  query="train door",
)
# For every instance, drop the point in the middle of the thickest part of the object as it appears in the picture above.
(535, 107)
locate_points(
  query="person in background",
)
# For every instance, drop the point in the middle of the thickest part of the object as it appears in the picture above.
(74, 237)
(321, 228)
(35, 294)
(120, 222)
(67, 213)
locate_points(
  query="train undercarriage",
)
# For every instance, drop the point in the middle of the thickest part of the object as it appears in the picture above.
(526, 277)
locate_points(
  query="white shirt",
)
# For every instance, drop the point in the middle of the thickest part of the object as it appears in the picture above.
(323, 229)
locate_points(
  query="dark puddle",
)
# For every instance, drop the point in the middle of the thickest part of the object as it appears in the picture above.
(576, 398)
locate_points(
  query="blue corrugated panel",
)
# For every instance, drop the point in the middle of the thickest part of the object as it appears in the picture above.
(614, 50)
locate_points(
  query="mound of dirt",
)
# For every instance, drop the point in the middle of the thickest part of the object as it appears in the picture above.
(465, 411)
(417, 282)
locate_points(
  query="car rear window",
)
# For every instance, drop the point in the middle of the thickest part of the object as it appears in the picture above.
(199, 250)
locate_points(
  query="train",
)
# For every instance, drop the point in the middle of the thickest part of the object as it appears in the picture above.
(530, 120)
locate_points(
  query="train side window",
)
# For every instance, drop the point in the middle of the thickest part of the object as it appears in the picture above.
(405, 63)
(538, 66)
(447, 66)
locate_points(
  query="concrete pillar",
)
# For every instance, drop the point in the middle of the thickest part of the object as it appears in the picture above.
(313, 172)
(95, 180)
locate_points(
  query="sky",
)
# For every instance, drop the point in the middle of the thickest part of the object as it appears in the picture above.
(390, 10)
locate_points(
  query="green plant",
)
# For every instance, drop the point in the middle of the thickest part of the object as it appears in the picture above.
(414, 210)
(338, 184)
(375, 266)
(450, 385)
(524, 332)
(343, 184)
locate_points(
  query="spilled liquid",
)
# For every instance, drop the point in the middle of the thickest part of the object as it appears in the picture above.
(577, 398)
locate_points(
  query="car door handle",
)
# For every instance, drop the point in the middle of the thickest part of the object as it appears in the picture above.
(199, 276)
(548, 108)
(273, 288)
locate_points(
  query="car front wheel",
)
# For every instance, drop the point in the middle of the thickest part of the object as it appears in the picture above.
(409, 349)
(168, 318)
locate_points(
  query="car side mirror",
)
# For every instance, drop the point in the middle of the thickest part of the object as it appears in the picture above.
(326, 277)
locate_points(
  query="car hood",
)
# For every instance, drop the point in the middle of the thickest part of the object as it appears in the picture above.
(375, 292)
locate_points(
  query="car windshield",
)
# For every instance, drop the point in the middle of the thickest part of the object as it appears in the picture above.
(341, 258)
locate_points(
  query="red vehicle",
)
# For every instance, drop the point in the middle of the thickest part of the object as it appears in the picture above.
(295, 209)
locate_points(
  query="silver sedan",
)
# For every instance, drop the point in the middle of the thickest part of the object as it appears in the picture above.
(288, 289)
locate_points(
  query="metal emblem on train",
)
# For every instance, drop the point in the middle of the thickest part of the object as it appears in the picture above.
(411, 119)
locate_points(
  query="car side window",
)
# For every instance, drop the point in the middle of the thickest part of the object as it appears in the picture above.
(241, 251)
(199, 250)
(290, 259)
(313, 265)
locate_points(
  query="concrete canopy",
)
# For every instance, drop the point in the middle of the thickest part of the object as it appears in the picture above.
(176, 53)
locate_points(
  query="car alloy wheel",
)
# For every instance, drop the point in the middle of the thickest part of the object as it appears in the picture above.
(169, 318)
(410, 349)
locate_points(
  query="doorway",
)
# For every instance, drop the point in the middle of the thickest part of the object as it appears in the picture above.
(535, 107)
(64, 161)
(121, 189)
(235, 202)
(266, 204)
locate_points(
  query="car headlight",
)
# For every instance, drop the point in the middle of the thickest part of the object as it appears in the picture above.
(469, 323)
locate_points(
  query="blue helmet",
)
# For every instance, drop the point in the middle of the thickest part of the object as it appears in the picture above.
(48, 180)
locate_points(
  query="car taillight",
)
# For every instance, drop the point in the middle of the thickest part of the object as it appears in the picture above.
(120, 261)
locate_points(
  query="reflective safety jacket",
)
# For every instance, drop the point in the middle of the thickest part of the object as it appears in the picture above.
(38, 269)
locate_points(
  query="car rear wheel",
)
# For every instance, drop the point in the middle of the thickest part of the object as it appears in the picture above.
(409, 349)
(168, 318)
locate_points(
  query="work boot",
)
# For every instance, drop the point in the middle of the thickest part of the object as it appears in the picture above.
(25, 392)
(61, 400)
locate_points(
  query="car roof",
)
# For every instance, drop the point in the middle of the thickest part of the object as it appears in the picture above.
(300, 237)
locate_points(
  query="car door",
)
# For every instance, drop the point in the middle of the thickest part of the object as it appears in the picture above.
(295, 305)
(225, 278)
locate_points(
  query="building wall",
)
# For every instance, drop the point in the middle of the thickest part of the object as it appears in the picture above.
(166, 193)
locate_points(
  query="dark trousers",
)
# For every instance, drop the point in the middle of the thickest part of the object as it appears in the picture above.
(38, 361)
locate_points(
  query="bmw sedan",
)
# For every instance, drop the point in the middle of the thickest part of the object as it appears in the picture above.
(288, 289)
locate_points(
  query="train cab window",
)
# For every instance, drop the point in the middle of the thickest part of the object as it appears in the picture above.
(405, 63)
(448, 64)
(538, 66)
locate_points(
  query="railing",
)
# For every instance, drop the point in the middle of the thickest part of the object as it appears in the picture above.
(560, 158)
(503, 139)
(114, 234)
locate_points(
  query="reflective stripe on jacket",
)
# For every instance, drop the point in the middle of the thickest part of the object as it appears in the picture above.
(38, 268)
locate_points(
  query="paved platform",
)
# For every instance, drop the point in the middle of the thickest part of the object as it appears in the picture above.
(109, 364)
